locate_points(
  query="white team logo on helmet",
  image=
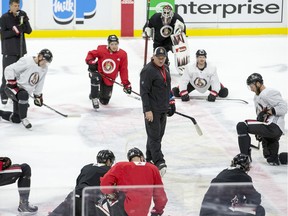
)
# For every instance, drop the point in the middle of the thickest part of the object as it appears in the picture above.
(108, 66)
(199, 82)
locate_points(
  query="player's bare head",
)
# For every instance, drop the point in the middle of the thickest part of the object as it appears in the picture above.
(14, 6)
(167, 14)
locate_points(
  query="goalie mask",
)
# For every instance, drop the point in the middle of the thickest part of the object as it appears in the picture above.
(167, 15)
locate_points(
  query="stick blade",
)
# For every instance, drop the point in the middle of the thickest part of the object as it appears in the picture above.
(73, 115)
(198, 129)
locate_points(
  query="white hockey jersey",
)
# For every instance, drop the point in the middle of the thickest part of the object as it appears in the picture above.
(201, 80)
(271, 98)
(28, 74)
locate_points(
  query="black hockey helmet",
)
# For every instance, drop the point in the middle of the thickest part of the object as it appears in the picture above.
(134, 152)
(241, 161)
(47, 55)
(104, 155)
(201, 52)
(112, 38)
(253, 78)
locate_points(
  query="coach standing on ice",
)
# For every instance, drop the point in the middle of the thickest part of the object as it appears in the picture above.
(158, 102)
(14, 25)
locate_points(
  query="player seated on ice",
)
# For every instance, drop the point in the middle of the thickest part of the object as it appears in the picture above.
(105, 63)
(24, 78)
(200, 76)
(231, 192)
(9, 174)
(161, 26)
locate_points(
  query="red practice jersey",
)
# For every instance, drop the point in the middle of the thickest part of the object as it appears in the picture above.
(110, 63)
(138, 200)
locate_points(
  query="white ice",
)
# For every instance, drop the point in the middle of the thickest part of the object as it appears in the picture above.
(57, 147)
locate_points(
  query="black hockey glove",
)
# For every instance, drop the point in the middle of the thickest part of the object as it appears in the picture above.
(127, 88)
(172, 108)
(261, 117)
(6, 162)
(92, 68)
(184, 95)
(258, 138)
(212, 96)
(22, 15)
(12, 84)
(155, 213)
(38, 100)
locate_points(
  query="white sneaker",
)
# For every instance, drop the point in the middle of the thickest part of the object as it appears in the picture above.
(26, 123)
(95, 103)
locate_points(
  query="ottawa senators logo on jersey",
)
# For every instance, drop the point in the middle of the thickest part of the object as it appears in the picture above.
(199, 82)
(108, 66)
(34, 78)
(166, 31)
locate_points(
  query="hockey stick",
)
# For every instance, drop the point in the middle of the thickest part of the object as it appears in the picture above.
(146, 36)
(256, 147)
(21, 38)
(198, 129)
(218, 98)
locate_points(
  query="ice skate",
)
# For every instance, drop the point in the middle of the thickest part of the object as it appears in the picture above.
(95, 103)
(26, 209)
(26, 123)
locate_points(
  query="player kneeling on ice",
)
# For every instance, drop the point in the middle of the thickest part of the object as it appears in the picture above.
(104, 65)
(167, 29)
(231, 192)
(25, 77)
(10, 173)
(270, 123)
(90, 176)
(200, 76)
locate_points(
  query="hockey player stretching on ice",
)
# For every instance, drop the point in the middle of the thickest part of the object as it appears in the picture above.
(10, 173)
(89, 176)
(269, 126)
(232, 193)
(200, 76)
(104, 64)
(24, 78)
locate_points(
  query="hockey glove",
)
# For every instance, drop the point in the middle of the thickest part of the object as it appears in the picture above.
(262, 116)
(212, 96)
(12, 84)
(184, 95)
(155, 213)
(6, 162)
(127, 88)
(92, 68)
(172, 108)
(148, 32)
(258, 138)
(38, 100)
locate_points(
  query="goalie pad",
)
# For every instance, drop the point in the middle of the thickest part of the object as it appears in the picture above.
(181, 52)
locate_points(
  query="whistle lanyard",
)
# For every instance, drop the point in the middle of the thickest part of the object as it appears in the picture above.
(163, 73)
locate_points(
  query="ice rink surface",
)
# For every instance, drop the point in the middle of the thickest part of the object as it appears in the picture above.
(57, 147)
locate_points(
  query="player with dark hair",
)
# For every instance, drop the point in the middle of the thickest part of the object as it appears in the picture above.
(200, 76)
(89, 176)
(136, 201)
(269, 126)
(157, 103)
(231, 192)
(13, 26)
(10, 173)
(104, 65)
(26, 77)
